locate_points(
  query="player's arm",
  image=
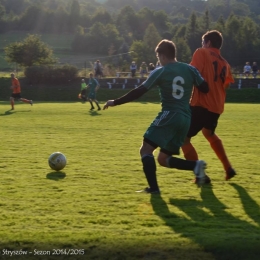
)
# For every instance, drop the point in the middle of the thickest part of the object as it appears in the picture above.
(199, 60)
(128, 97)
(203, 87)
(14, 86)
(97, 87)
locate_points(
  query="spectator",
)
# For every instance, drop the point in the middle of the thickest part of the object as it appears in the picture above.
(254, 69)
(98, 69)
(151, 67)
(247, 70)
(143, 69)
(133, 68)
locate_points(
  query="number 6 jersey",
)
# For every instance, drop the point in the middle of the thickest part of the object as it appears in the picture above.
(175, 82)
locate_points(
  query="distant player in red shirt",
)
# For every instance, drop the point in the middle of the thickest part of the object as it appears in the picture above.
(206, 108)
(16, 92)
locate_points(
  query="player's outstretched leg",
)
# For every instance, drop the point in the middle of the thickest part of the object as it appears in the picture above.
(218, 148)
(12, 103)
(26, 101)
(198, 167)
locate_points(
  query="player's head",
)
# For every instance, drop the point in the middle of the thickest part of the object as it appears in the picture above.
(12, 75)
(91, 75)
(83, 80)
(212, 39)
(165, 50)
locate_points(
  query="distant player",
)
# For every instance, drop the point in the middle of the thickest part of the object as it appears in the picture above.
(16, 92)
(206, 109)
(82, 94)
(168, 130)
(93, 86)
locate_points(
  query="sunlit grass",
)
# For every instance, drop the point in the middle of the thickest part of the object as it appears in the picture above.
(91, 203)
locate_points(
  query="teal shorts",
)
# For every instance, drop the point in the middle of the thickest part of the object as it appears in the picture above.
(92, 95)
(169, 130)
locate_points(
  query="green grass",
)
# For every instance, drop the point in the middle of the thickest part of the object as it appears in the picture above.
(91, 204)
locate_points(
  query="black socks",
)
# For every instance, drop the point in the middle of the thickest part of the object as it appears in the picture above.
(149, 168)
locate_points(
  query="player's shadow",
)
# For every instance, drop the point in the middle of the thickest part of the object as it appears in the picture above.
(251, 208)
(209, 224)
(94, 113)
(11, 112)
(56, 176)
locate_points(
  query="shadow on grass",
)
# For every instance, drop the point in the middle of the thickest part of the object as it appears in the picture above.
(94, 113)
(210, 225)
(56, 176)
(10, 112)
(251, 208)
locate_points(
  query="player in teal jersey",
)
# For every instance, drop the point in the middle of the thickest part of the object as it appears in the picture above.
(168, 130)
(93, 86)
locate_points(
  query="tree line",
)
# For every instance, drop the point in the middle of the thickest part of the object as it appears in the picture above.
(138, 26)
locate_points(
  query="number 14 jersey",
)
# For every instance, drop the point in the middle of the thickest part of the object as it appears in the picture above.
(217, 73)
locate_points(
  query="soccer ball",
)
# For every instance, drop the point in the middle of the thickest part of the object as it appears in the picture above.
(57, 161)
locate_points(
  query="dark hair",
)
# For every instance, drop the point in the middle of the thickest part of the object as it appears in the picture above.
(215, 38)
(166, 48)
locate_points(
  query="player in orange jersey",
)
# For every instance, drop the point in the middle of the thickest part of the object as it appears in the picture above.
(16, 92)
(206, 108)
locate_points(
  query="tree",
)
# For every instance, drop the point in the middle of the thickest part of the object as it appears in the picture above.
(220, 24)
(32, 18)
(183, 53)
(2, 11)
(127, 22)
(31, 51)
(231, 39)
(74, 15)
(98, 40)
(151, 37)
(161, 20)
(145, 17)
(249, 40)
(205, 25)
(140, 53)
(193, 36)
(101, 16)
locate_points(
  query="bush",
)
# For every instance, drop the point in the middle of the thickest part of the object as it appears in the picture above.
(50, 74)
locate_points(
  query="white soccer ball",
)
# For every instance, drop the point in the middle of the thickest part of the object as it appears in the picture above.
(57, 161)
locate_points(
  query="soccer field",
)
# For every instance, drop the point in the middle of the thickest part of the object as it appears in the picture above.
(90, 209)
